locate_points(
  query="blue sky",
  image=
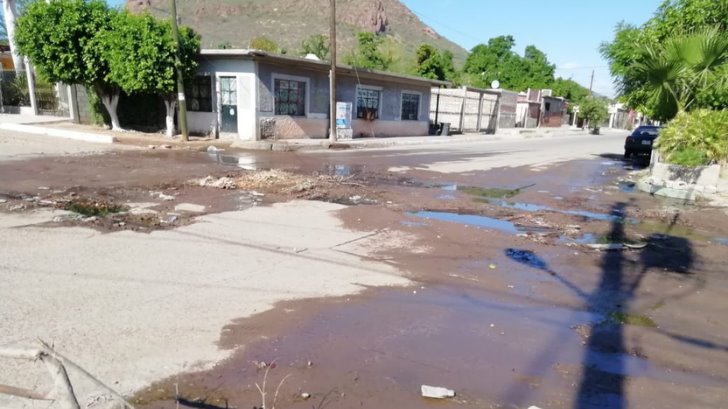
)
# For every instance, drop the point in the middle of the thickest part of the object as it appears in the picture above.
(568, 31)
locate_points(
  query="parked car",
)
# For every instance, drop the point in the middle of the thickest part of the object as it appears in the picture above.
(641, 140)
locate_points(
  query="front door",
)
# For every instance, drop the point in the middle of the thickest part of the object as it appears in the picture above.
(229, 104)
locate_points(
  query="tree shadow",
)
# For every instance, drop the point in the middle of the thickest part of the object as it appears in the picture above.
(602, 382)
(603, 385)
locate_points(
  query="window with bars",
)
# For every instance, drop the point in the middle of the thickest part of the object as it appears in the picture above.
(410, 106)
(367, 103)
(290, 97)
(199, 94)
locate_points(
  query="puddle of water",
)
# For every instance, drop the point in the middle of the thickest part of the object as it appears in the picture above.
(446, 197)
(490, 349)
(586, 238)
(626, 186)
(530, 207)
(721, 240)
(470, 220)
(246, 162)
(343, 170)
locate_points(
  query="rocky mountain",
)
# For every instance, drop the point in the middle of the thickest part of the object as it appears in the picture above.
(289, 22)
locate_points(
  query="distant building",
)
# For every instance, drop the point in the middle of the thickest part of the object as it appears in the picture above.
(554, 109)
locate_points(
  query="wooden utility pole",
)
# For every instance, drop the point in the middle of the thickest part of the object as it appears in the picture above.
(591, 83)
(332, 76)
(182, 117)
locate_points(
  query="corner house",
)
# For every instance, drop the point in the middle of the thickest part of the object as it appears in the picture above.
(252, 95)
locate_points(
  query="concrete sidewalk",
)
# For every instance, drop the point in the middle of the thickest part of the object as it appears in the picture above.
(374, 143)
(51, 126)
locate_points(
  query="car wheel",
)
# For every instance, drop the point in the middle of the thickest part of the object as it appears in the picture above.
(627, 154)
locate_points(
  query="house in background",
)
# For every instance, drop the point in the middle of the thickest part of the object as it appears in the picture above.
(553, 111)
(253, 95)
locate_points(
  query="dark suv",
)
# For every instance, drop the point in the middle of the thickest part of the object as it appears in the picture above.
(641, 140)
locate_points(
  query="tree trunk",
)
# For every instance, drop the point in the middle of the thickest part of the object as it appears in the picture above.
(170, 102)
(110, 99)
(11, 12)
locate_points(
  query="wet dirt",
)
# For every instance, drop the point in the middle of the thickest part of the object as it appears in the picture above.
(507, 317)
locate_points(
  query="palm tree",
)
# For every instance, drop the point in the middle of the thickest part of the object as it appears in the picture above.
(675, 72)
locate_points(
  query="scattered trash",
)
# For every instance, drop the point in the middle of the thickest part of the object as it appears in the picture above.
(527, 257)
(309, 364)
(533, 407)
(214, 149)
(221, 183)
(3, 201)
(189, 207)
(305, 395)
(43, 188)
(165, 197)
(436, 392)
(159, 146)
(606, 247)
(257, 194)
(169, 219)
(492, 266)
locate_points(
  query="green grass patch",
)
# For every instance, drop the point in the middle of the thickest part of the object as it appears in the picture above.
(92, 208)
(493, 192)
(632, 319)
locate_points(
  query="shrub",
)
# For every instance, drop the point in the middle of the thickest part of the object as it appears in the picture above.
(696, 137)
(594, 110)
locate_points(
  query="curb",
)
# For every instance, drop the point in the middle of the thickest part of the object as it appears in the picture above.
(58, 133)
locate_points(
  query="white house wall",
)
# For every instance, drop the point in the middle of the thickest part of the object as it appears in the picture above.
(244, 71)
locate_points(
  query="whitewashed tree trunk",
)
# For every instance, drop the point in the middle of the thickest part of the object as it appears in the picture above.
(171, 104)
(11, 12)
(111, 103)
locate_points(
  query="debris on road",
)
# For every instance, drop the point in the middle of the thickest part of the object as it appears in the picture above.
(436, 392)
(189, 207)
(214, 149)
(305, 395)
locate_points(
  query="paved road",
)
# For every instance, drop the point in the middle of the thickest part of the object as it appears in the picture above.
(488, 154)
(19, 146)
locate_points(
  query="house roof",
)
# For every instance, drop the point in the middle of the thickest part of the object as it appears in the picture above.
(316, 65)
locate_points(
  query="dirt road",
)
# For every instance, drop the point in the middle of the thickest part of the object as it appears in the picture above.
(510, 300)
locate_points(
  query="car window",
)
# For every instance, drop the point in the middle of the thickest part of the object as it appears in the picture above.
(647, 131)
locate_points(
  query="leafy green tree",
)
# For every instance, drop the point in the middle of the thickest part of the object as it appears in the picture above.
(569, 89)
(264, 44)
(368, 53)
(317, 45)
(594, 110)
(683, 16)
(431, 63)
(140, 50)
(539, 73)
(497, 61)
(61, 40)
(640, 56)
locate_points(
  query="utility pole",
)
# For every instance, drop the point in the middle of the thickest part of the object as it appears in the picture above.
(591, 83)
(182, 117)
(332, 76)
